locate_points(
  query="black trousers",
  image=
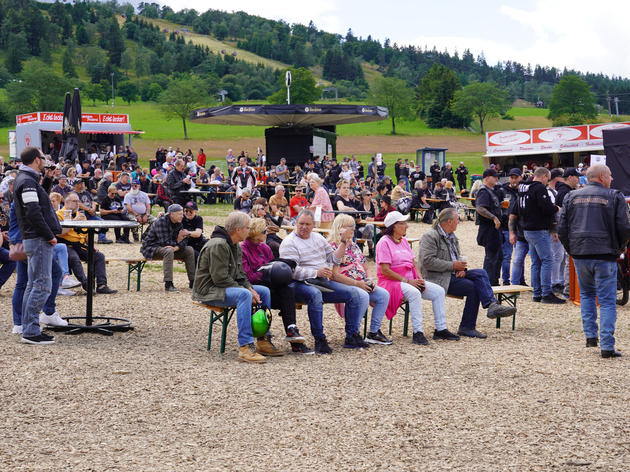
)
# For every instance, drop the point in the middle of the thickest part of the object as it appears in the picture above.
(74, 262)
(282, 299)
(117, 231)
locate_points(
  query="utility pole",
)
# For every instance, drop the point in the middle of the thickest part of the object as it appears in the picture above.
(617, 105)
(112, 74)
(608, 100)
(288, 82)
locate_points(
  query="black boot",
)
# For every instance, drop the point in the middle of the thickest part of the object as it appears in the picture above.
(169, 287)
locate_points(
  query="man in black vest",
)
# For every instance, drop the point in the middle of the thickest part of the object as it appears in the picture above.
(488, 208)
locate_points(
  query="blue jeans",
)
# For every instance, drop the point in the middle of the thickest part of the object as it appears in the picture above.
(20, 286)
(242, 298)
(476, 288)
(380, 297)
(315, 299)
(518, 264)
(8, 266)
(38, 288)
(542, 261)
(559, 257)
(598, 282)
(507, 257)
(60, 253)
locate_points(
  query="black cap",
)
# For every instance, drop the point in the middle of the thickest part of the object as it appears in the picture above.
(191, 206)
(555, 173)
(516, 171)
(571, 171)
(490, 173)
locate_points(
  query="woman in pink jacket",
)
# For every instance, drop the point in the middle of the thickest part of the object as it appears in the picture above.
(322, 199)
(257, 253)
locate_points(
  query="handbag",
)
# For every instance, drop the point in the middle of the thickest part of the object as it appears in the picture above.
(16, 252)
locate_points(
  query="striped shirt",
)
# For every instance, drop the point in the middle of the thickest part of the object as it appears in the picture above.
(310, 254)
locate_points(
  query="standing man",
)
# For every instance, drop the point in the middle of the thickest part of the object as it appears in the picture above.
(489, 236)
(177, 181)
(537, 213)
(594, 229)
(510, 193)
(461, 172)
(282, 171)
(38, 226)
(560, 270)
(435, 174)
(243, 178)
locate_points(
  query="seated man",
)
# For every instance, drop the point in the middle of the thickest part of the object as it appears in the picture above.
(221, 280)
(76, 242)
(166, 240)
(278, 202)
(88, 206)
(442, 263)
(194, 224)
(138, 207)
(315, 258)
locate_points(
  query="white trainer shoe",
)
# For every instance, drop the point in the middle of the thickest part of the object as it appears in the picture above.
(65, 292)
(52, 320)
(17, 329)
(69, 282)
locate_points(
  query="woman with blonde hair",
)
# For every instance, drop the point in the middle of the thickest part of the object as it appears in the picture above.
(352, 272)
(257, 253)
(320, 199)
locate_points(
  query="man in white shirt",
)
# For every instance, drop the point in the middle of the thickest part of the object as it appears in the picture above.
(314, 257)
(138, 207)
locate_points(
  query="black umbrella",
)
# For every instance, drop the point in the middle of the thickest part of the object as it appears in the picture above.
(71, 127)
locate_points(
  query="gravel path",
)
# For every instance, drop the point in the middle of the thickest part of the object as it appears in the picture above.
(154, 399)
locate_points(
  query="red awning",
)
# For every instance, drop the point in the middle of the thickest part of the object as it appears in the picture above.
(106, 132)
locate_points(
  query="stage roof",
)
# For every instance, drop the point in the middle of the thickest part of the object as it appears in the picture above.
(289, 115)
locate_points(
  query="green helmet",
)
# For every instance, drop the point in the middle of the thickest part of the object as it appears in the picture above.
(261, 320)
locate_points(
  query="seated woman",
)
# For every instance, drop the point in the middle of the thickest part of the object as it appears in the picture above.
(343, 200)
(255, 254)
(243, 202)
(385, 204)
(367, 231)
(260, 210)
(352, 272)
(398, 273)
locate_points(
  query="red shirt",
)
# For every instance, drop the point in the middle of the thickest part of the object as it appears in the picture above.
(201, 159)
(297, 200)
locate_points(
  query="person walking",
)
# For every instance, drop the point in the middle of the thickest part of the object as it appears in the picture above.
(38, 226)
(594, 229)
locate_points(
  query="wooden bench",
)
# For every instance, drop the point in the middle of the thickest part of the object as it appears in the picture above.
(416, 216)
(134, 264)
(223, 314)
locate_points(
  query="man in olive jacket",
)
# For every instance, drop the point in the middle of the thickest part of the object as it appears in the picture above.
(220, 280)
(441, 263)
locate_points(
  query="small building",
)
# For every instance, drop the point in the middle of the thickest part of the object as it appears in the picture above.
(564, 146)
(41, 128)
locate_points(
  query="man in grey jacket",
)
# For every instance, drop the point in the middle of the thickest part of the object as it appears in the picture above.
(594, 228)
(441, 262)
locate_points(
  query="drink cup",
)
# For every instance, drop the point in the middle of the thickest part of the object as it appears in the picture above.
(67, 215)
(505, 203)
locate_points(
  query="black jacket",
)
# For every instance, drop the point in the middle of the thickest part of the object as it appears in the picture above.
(535, 207)
(594, 223)
(175, 183)
(562, 189)
(33, 209)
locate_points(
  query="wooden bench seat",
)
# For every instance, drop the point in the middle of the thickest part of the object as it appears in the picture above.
(134, 264)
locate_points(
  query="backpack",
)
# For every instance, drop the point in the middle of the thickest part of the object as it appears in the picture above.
(403, 205)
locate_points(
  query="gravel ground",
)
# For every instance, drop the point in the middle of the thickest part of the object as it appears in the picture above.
(154, 399)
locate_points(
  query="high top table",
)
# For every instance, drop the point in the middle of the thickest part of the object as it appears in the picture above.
(106, 324)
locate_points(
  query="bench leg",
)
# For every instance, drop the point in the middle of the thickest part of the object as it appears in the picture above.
(140, 268)
(365, 320)
(227, 316)
(137, 268)
(509, 299)
(405, 327)
(212, 320)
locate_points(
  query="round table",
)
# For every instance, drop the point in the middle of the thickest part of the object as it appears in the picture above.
(106, 324)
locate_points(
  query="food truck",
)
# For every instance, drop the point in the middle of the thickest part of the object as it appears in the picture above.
(564, 146)
(41, 128)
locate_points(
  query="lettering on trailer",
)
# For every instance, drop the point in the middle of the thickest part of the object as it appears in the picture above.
(90, 118)
(27, 118)
(46, 116)
(114, 118)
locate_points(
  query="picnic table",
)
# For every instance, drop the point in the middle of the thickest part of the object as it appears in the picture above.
(194, 193)
(106, 324)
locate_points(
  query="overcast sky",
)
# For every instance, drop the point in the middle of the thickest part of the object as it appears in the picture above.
(588, 36)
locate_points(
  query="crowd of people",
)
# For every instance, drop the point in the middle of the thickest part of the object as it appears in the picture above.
(238, 264)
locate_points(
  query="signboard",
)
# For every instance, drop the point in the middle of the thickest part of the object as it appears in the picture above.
(548, 140)
(598, 159)
(56, 117)
(12, 145)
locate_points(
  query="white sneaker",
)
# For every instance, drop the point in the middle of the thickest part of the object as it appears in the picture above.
(65, 292)
(52, 320)
(17, 329)
(70, 282)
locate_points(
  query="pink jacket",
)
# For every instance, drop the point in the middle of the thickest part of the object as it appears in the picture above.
(393, 287)
(255, 255)
(321, 198)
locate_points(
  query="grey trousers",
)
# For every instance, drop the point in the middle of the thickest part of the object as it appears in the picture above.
(167, 255)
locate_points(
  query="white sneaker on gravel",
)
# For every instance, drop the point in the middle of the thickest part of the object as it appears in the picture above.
(70, 282)
(65, 292)
(52, 320)
(17, 329)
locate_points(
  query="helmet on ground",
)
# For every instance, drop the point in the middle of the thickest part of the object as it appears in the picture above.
(261, 320)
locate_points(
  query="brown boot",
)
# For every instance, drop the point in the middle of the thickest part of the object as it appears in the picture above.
(248, 353)
(265, 346)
